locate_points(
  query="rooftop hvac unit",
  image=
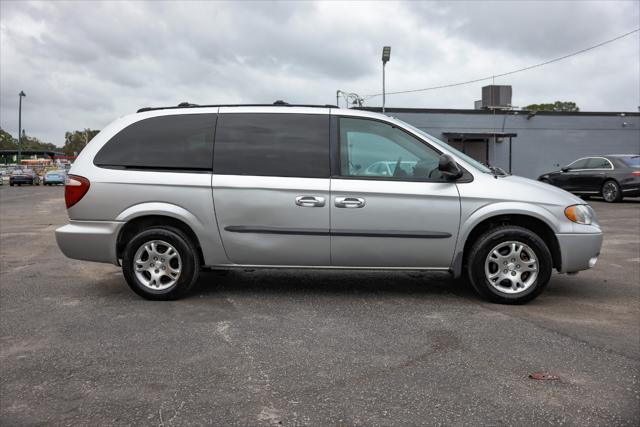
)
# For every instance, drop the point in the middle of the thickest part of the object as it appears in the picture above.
(496, 96)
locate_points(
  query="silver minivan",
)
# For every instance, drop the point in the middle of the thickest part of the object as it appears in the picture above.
(168, 191)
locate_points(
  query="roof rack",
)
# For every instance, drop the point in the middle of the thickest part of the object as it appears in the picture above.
(278, 103)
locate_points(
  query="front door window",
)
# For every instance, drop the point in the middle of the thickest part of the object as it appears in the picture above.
(377, 150)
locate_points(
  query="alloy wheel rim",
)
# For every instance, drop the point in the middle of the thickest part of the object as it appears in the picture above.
(157, 265)
(610, 191)
(511, 267)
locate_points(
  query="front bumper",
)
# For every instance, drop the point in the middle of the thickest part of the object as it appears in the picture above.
(89, 240)
(579, 251)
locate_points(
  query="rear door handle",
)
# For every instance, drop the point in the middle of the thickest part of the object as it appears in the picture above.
(350, 202)
(310, 201)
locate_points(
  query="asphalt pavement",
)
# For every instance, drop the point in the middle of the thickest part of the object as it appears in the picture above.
(309, 347)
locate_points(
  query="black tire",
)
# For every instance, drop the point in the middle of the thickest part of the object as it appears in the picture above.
(11, 184)
(611, 192)
(485, 243)
(188, 255)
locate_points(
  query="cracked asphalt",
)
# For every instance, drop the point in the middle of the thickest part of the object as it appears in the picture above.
(276, 347)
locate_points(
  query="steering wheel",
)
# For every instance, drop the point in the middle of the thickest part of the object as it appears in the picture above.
(397, 171)
(435, 173)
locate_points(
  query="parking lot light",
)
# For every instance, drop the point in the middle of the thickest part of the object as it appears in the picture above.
(20, 95)
(386, 55)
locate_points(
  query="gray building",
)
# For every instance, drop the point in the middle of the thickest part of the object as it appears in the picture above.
(527, 143)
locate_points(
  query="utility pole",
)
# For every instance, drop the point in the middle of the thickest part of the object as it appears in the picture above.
(386, 55)
(20, 95)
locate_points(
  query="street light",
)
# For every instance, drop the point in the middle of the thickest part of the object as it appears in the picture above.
(20, 95)
(386, 55)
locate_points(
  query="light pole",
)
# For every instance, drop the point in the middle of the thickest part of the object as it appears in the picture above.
(20, 95)
(386, 55)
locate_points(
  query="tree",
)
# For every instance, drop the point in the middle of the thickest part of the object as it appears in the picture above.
(33, 143)
(556, 106)
(7, 142)
(75, 141)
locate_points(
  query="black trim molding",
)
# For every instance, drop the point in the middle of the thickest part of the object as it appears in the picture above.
(276, 230)
(343, 233)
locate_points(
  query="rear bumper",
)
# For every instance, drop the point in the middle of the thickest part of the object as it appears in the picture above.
(89, 240)
(579, 251)
(21, 180)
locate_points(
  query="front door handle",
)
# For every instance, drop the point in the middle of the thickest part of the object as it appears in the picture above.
(350, 202)
(310, 201)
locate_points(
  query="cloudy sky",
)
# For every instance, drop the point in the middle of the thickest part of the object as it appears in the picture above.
(83, 64)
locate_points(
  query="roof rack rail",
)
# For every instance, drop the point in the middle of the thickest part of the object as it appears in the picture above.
(278, 103)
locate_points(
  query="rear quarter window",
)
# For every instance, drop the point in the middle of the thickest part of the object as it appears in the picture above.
(176, 142)
(280, 144)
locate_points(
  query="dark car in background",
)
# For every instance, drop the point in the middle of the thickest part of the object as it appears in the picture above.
(24, 176)
(54, 177)
(613, 176)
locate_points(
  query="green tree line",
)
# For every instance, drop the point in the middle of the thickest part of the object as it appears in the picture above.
(74, 142)
(556, 106)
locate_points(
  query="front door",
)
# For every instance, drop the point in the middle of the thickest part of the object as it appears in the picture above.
(271, 186)
(570, 179)
(405, 216)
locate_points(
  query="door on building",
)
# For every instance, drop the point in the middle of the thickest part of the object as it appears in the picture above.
(477, 148)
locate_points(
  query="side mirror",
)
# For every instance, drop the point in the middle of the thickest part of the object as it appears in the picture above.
(448, 167)
(565, 168)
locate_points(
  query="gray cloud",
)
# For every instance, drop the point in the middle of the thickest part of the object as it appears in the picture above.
(82, 64)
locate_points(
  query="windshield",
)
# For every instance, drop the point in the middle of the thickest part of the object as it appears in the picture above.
(471, 161)
(632, 161)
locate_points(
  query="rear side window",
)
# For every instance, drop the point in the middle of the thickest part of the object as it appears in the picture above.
(289, 145)
(180, 142)
(598, 163)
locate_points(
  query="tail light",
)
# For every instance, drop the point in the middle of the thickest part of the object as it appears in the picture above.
(635, 173)
(75, 187)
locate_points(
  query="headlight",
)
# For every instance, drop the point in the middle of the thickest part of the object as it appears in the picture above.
(580, 214)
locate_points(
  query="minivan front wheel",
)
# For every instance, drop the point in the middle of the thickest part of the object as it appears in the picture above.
(160, 263)
(509, 264)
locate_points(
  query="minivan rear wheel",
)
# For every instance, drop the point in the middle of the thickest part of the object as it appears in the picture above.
(160, 263)
(509, 265)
